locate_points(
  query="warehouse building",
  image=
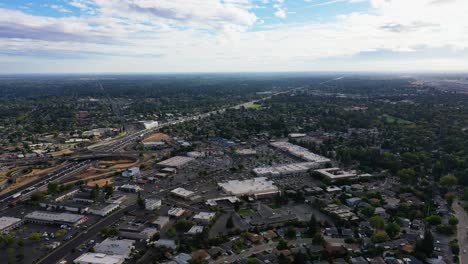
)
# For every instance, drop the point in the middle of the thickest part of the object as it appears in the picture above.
(55, 218)
(257, 187)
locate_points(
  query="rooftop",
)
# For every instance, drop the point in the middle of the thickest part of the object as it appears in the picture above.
(99, 258)
(54, 217)
(115, 247)
(182, 192)
(299, 152)
(6, 221)
(255, 186)
(177, 161)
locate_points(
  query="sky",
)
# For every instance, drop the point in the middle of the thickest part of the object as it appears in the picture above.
(130, 36)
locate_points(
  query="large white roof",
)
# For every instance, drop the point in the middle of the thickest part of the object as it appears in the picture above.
(99, 258)
(255, 186)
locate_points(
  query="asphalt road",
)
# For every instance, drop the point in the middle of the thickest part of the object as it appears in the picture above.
(462, 231)
(64, 249)
(258, 249)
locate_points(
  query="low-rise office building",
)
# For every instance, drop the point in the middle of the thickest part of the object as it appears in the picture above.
(182, 193)
(152, 204)
(204, 217)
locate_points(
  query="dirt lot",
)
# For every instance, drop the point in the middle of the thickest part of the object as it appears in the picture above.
(157, 137)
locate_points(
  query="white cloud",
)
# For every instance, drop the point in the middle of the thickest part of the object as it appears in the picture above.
(280, 13)
(212, 35)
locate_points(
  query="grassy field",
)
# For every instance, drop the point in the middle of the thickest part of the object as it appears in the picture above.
(253, 106)
(245, 211)
(399, 121)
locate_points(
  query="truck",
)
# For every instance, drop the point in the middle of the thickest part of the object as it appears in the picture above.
(16, 195)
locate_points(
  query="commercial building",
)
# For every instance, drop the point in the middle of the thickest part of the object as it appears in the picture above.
(176, 212)
(286, 169)
(246, 152)
(99, 258)
(221, 200)
(148, 124)
(195, 154)
(130, 172)
(70, 207)
(175, 162)
(334, 174)
(55, 218)
(161, 222)
(130, 188)
(182, 193)
(300, 152)
(195, 230)
(8, 223)
(66, 195)
(104, 210)
(122, 247)
(152, 204)
(258, 187)
(204, 217)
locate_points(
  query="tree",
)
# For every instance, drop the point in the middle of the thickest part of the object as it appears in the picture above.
(450, 197)
(318, 239)
(379, 237)
(434, 220)
(407, 175)
(94, 195)
(454, 247)
(171, 232)
(197, 261)
(453, 221)
(368, 211)
(290, 233)
(282, 244)
(426, 245)
(377, 222)
(53, 187)
(108, 190)
(312, 226)
(253, 261)
(230, 222)
(140, 201)
(183, 225)
(35, 236)
(448, 180)
(392, 229)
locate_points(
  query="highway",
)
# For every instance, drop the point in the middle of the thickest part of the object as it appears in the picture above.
(69, 169)
(120, 144)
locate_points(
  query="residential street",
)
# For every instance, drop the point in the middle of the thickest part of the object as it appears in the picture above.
(462, 231)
